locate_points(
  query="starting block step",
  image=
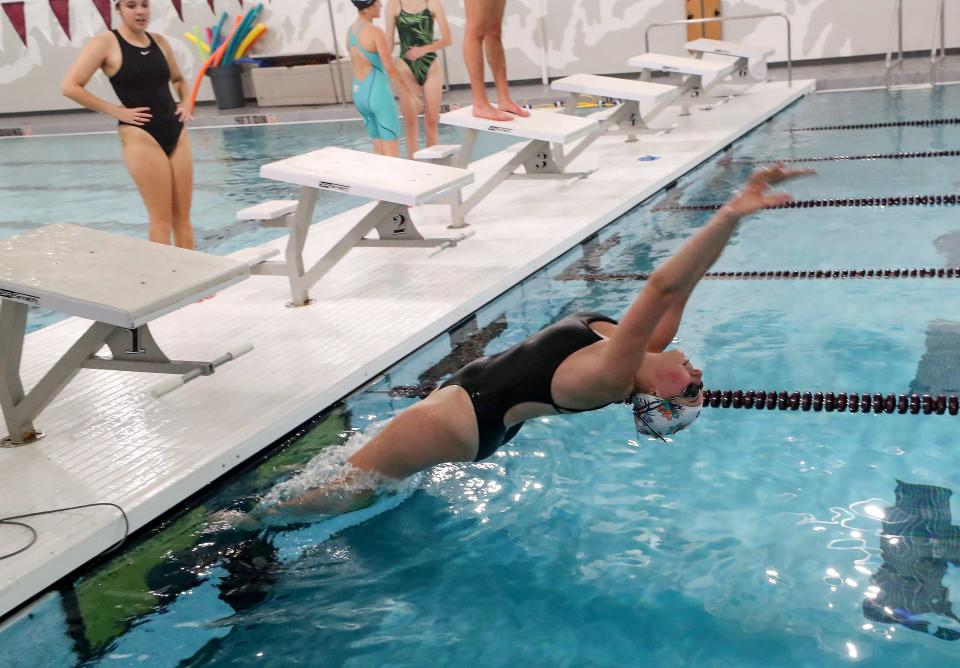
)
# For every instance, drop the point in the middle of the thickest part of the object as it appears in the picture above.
(277, 208)
(659, 62)
(437, 152)
(250, 257)
(733, 49)
(621, 89)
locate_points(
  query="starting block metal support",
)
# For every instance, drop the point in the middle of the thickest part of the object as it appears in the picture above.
(133, 350)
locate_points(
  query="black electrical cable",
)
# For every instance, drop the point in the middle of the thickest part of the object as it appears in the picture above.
(33, 532)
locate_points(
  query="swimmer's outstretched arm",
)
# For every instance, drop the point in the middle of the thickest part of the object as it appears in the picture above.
(652, 320)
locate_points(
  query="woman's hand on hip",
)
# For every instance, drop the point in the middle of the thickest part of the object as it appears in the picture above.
(183, 114)
(416, 53)
(135, 116)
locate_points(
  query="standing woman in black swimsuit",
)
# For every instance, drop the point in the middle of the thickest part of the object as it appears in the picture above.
(156, 148)
(418, 64)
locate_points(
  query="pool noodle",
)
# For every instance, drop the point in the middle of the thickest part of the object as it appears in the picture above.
(211, 61)
(233, 43)
(215, 37)
(218, 56)
(254, 35)
(196, 40)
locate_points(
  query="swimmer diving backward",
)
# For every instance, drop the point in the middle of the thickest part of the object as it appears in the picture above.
(581, 363)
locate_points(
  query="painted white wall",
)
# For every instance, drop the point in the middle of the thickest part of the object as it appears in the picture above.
(582, 36)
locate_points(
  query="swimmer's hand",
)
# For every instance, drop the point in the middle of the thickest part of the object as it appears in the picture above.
(183, 114)
(416, 53)
(135, 116)
(756, 194)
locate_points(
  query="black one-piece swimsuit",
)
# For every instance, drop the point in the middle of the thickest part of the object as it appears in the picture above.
(143, 80)
(522, 373)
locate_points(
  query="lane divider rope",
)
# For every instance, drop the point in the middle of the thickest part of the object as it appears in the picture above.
(922, 123)
(903, 155)
(893, 200)
(787, 274)
(833, 402)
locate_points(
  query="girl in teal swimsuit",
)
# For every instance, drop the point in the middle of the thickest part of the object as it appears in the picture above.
(372, 65)
(418, 64)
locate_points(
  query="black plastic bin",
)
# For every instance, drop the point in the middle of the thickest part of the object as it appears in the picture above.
(227, 86)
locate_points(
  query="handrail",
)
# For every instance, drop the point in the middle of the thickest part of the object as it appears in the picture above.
(938, 53)
(720, 19)
(939, 25)
(888, 64)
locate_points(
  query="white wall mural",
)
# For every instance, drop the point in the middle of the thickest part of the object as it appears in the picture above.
(581, 35)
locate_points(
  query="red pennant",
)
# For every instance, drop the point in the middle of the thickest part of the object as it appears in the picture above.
(178, 5)
(14, 12)
(61, 10)
(103, 6)
(210, 2)
(241, 4)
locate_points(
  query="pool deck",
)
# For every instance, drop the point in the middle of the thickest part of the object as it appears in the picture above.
(108, 440)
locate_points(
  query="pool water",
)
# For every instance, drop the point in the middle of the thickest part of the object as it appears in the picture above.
(752, 539)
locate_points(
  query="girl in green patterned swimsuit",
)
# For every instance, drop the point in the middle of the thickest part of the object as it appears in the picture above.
(418, 64)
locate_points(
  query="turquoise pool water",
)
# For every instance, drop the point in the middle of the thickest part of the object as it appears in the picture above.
(752, 539)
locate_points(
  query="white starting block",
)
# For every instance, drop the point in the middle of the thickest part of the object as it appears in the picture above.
(120, 283)
(541, 157)
(750, 62)
(397, 184)
(701, 75)
(440, 154)
(627, 116)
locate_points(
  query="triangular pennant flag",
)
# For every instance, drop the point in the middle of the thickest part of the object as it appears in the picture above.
(178, 5)
(103, 6)
(241, 4)
(61, 10)
(210, 2)
(14, 12)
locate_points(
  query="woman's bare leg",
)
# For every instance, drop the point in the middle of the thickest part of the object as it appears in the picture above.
(378, 147)
(432, 99)
(390, 147)
(150, 169)
(474, 37)
(441, 428)
(493, 45)
(181, 165)
(408, 106)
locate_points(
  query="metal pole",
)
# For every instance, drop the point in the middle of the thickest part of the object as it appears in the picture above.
(544, 72)
(935, 59)
(336, 51)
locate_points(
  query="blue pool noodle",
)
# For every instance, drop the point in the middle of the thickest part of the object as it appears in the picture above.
(217, 33)
(245, 27)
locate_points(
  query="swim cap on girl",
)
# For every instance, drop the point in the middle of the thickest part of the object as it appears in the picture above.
(661, 417)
